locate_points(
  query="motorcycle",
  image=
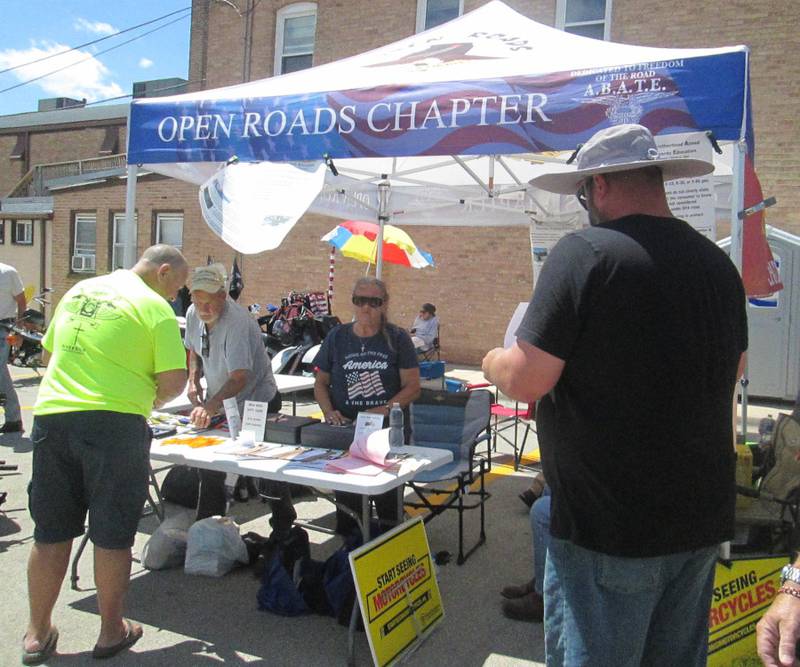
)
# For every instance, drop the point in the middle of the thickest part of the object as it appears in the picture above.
(25, 338)
(293, 333)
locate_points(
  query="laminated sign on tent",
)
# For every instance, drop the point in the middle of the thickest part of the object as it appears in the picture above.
(448, 126)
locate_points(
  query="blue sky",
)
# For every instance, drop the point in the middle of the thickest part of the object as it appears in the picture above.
(39, 28)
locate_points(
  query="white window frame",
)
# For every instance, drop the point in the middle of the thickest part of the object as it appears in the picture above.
(168, 217)
(27, 236)
(118, 247)
(84, 250)
(561, 18)
(294, 10)
(422, 11)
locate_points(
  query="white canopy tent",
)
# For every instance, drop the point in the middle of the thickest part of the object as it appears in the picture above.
(446, 127)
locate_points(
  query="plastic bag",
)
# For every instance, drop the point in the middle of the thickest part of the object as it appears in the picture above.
(167, 545)
(214, 547)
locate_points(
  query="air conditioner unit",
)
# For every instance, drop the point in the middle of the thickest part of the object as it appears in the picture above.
(82, 263)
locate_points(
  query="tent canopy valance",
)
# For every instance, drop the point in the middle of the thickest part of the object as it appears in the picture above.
(491, 82)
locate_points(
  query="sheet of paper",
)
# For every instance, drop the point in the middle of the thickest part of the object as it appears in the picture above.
(354, 465)
(375, 448)
(366, 423)
(513, 325)
(255, 418)
(232, 414)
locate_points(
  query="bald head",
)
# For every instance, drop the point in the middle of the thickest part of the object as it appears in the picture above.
(163, 268)
(162, 253)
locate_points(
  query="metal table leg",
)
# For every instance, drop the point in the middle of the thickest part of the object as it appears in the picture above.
(354, 614)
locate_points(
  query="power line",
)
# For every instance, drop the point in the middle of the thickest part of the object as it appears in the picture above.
(122, 97)
(89, 56)
(95, 41)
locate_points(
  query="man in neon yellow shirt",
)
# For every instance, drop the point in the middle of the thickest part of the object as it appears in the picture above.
(116, 352)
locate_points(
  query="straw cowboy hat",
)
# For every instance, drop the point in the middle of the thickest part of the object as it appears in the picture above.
(618, 148)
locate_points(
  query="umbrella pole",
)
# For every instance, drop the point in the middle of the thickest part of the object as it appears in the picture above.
(331, 267)
(383, 218)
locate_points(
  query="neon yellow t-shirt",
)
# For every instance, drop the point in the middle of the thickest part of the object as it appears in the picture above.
(109, 336)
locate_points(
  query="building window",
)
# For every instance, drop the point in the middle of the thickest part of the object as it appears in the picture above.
(588, 18)
(2, 232)
(84, 243)
(122, 240)
(22, 232)
(294, 37)
(431, 13)
(169, 229)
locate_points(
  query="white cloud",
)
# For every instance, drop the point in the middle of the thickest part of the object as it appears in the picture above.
(96, 27)
(145, 63)
(86, 78)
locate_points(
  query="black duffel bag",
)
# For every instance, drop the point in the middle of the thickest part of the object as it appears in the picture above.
(181, 486)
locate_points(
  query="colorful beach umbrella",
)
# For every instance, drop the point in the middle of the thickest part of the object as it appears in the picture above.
(357, 239)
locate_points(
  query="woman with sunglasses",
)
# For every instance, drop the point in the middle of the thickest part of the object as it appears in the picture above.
(366, 365)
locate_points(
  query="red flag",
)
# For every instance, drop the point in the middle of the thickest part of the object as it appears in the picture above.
(759, 271)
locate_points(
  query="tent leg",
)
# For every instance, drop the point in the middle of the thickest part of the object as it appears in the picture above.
(130, 253)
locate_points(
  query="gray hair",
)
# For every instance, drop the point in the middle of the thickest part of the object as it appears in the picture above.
(370, 281)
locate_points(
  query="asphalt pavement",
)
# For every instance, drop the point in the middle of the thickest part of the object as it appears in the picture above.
(193, 620)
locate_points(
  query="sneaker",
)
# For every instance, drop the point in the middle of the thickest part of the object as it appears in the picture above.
(529, 608)
(514, 592)
(11, 427)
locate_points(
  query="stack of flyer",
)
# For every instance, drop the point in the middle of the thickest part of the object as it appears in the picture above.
(368, 455)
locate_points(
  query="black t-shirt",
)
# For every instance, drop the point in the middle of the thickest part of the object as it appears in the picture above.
(637, 436)
(365, 372)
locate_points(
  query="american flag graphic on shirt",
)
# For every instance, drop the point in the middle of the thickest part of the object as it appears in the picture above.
(363, 384)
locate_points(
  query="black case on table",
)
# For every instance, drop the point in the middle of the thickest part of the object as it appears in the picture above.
(328, 435)
(285, 429)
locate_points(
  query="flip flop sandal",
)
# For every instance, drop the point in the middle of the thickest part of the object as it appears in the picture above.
(132, 635)
(44, 653)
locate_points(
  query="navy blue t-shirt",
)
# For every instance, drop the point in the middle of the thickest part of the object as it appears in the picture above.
(365, 372)
(636, 436)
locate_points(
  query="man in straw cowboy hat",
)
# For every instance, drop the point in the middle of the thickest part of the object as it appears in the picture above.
(633, 342)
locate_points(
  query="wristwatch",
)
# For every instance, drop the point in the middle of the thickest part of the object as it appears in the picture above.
(790, 573)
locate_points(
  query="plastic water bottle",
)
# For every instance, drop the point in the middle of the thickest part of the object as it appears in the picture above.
(396, 426)
(765, 428)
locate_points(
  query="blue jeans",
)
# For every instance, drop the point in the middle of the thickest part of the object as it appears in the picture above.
(606, 610)
(13, 413)
(540, 529)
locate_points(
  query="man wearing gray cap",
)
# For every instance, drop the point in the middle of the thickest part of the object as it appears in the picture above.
(225, 347)
(633, 342)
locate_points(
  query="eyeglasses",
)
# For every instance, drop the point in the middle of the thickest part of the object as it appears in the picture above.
(371, 301)
(206, 348)
(583, 195)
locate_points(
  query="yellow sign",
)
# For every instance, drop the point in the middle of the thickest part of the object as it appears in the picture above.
(742, 594)
(397, 590)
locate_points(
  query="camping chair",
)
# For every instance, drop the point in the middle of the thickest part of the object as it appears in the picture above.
(504, 418)
(775, 507)
(458, 422)
(427, 354)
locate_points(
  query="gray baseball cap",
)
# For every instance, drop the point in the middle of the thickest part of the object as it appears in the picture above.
(618, 148)
(209, 278)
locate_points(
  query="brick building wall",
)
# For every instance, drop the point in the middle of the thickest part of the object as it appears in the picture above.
(48, 145)
(481, 274)
(473, 284)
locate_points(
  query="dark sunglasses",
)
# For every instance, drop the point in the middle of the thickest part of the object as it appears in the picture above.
(582, 195)
(371, 301)
(206, 348)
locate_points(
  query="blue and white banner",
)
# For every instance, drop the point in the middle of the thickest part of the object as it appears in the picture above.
(491, 82)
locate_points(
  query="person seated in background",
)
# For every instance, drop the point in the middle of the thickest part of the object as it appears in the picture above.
(425, 328)
(366, 365)
(525, 602)
(225, 347)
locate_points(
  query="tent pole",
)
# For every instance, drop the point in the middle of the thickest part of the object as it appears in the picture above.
(737, 205)
(130, 254)
(383, 217)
